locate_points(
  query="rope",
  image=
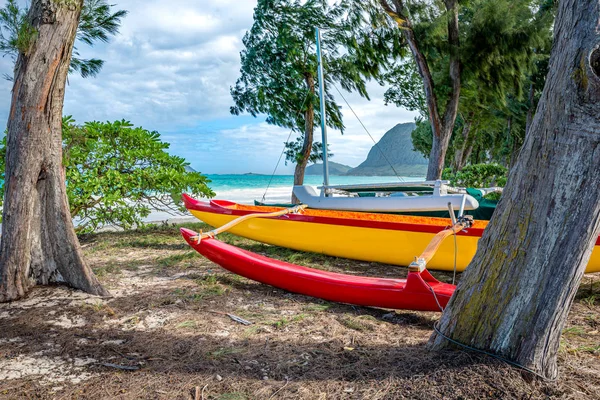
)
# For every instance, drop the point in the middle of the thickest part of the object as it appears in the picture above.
(434, 296)
(231, 224)
(283, 150)
(432, 247)
(437, 240)
(368, 133)
(487, 353)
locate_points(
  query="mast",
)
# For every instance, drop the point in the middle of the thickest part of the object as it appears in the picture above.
(323, 115)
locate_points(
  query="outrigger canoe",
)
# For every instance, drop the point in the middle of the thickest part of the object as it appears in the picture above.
(384, 238)
(419, 291)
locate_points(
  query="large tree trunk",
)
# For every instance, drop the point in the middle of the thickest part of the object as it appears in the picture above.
(441, 125)
(514, 297)
(309, 126)
(39, 245)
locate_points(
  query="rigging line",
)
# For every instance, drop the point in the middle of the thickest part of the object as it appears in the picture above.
(368, 133)
(283, 150)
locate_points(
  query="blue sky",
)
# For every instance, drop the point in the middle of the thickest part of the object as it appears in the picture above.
(170, 70)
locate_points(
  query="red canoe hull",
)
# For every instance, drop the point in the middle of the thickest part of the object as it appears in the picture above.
(414, 293)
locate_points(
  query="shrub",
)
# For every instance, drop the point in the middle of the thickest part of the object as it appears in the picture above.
(477, 175)
(117, 174)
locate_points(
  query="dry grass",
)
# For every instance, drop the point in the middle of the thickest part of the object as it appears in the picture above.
(168, 321)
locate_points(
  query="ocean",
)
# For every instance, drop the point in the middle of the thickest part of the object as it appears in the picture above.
(247, 188)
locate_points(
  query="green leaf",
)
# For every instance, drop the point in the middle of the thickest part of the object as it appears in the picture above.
(116, 173)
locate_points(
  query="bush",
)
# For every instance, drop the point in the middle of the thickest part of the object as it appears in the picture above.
(117, 174)
(477, 175)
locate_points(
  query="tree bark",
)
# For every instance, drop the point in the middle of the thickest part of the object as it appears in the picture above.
(515, 295)
(441, 125)
(437, 156)
(507, 162)
(464, 151)
(309, 126)
(516, 143)
(39, 245)
(531, 101)
(467, 153)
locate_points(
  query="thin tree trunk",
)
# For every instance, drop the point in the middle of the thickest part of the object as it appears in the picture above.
(441, 125)
(461, 156)
(531, 101)
(507, 162)
(469, 149)
(515, 295)
(309, 122)
(39, 245)
(514, 153)
(516, 142)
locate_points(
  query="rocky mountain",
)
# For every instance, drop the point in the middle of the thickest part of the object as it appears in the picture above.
(334, 169)
(397, 146)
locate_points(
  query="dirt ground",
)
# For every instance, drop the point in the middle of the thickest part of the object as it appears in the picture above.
(165, 334)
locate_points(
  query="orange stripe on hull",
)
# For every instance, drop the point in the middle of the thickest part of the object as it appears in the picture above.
(384, 238)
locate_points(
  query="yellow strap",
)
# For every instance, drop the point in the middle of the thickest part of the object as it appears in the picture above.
(437, 240)
(243, 218)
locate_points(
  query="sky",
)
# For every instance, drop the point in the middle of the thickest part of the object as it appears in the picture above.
(170, 69)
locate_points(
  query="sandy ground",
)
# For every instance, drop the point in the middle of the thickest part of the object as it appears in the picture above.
(165, 333)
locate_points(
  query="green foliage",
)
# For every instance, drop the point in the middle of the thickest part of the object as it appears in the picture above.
(406, 87)
(422, 137)
(16, 33)
(504, 47)
(279, 64)
(499, 44)
(97, 23)
(86, 68)
(477, 175)
(70, 4)
(116, 173)
(293, 152)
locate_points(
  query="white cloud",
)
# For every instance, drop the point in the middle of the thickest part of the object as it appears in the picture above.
(170, 70)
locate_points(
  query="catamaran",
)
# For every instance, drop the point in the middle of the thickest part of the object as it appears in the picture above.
(345, 197)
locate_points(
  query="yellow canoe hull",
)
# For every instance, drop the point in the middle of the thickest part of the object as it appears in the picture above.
(398, 247)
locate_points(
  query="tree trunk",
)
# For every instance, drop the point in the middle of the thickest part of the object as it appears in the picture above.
(437, 156)
(462, 153)
(309, 126)
(516, 142)
(515, 295)
(39, 245)
(507, 162)
(467, 153)
(531, 101)
(441, 125)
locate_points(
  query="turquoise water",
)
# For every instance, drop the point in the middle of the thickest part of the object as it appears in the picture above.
(247, 188)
